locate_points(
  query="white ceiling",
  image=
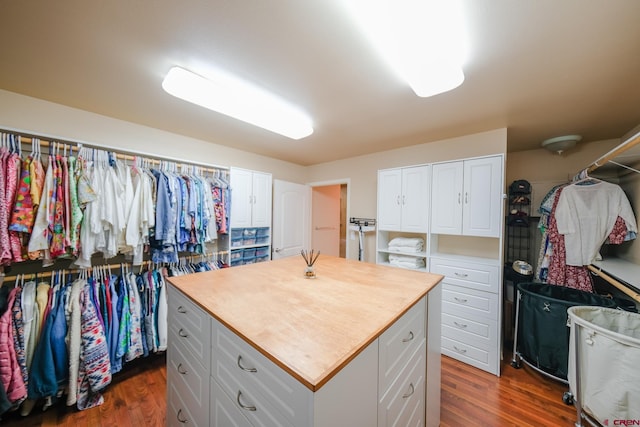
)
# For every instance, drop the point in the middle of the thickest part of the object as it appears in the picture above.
(541, 68)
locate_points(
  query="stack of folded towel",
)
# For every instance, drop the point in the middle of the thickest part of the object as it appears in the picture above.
(406, 244)
(406, 261)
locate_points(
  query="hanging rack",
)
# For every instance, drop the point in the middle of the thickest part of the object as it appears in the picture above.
(629, 141)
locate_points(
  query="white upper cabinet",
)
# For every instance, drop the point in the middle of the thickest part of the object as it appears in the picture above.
(250, 198)
(403, 199)
(467, 197)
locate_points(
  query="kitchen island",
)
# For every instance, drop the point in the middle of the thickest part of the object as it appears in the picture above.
(260, 344)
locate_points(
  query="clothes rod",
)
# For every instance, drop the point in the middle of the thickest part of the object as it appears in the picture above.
(615, 282)
(629, 142)
(124, 151)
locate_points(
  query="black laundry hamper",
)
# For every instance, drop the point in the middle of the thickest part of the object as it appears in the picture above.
(541, 336)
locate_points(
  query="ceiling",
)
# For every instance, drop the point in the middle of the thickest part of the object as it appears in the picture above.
(540, 68)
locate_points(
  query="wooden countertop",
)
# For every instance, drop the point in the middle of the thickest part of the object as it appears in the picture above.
(311, 328)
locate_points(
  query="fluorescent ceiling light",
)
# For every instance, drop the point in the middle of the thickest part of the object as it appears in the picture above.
(422, 40)
(228, 95)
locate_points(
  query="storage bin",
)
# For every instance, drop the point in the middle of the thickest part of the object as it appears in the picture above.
(262, 232)
(236, 254)
(249, 232)
(262, 251)
(237, 242)
(249, 241)
(235, 262)
(237, 233)
(249, 260)
(262, 240)
(249, 253)
(262, 258)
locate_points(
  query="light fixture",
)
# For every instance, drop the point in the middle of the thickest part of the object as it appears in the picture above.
(423, 41)
(233, 97)
(559, 144)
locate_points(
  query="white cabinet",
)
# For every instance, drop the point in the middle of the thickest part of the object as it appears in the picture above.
(470, 311)
(403, 199)
(467, 197)
(403, 212)
(250, 198)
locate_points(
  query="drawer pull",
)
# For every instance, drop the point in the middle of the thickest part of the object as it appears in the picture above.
(404, 396)
(181, 369)
(181, 420)
(245, 407)
(243, 368)
(409, 338)
(182, 310)
(183, 334)
(460, 325)
(460, 274)
(460, 300)
(459, 350)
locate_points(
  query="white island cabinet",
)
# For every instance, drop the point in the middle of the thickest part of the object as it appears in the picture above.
(316, 364)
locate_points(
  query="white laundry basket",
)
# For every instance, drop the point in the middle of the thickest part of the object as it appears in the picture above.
(604, 364)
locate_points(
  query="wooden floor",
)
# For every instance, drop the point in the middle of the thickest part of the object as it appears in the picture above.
(470, 397)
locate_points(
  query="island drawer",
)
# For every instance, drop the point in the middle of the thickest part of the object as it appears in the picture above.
(224, 412)
(480, 333)
(251, 379)
(403, 402)
(189, 326)
(478, 276)
(473, 303)
(190, 381)
(399, 342)
(178, 412)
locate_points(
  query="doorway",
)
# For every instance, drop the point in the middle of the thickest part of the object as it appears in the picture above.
(329, 216)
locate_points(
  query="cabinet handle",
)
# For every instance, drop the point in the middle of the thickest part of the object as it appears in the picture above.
(181, 369)
(181, 420)
(459, 350)
(182, 310)
(398, 200)
(466, 198)
(460, 325)
(409, 338)
(459, 198)
(462, 300)
(245, 407)
(404, 396)
(404, 200)
(183, 334)
(243, 368)
(460, 274)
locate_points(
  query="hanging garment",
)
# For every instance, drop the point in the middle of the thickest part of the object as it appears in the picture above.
(74, 339)
(586, 214)
(10, 374)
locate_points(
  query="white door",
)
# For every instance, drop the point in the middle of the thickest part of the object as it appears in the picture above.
(325, 219)
(241, 197)
(291, 218)
(446, 198)
(261, 207)
(415, 199)
(389, 199)
(482, 212)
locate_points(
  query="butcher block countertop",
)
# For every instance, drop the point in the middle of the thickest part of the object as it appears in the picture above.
(311, 328)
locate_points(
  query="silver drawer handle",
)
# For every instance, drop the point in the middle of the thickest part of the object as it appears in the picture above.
(460, 325)
(183, 334)
(409, 338)
(461, 274)
(181, 420)
(404, 396)
(245, 407)
(460, 350)
(462, 300)
(243, 368)
(181, 369)
(182, 310)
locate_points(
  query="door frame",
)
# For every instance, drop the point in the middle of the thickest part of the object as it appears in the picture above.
(347, 182)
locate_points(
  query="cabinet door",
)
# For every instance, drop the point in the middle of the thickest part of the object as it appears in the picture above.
(241, 197)
(446, 198)
(261, 201)
(415, 199)
(482, 211)
(389, 199)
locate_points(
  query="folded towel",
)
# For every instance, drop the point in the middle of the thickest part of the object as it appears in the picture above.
(406, 261)
(406, 244)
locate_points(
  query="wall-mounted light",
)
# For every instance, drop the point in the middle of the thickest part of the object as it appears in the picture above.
(229, 95)
(560, 144)
(424, 41)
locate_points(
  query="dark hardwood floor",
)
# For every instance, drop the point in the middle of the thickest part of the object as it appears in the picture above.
(470, 397)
